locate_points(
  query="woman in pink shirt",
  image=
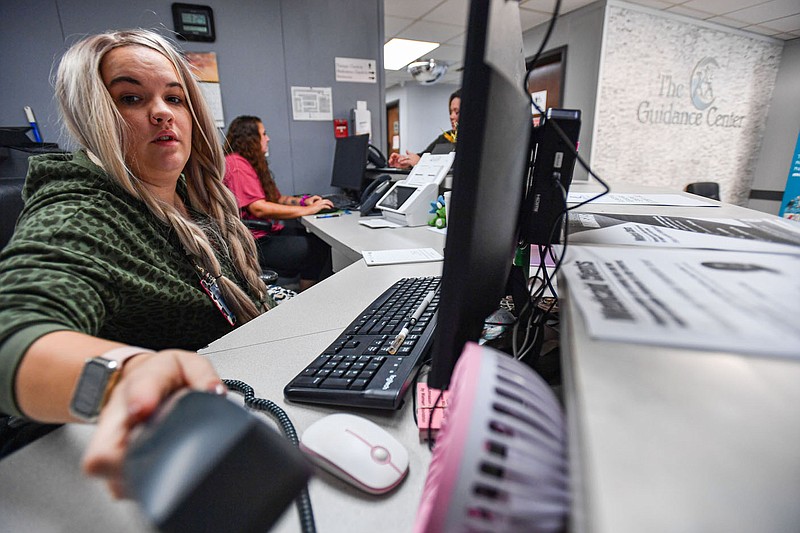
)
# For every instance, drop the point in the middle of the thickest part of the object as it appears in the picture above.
(286, 248)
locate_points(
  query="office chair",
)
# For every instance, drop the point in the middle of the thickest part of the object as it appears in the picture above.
(272, 277)
(10, 207)
(709, 189)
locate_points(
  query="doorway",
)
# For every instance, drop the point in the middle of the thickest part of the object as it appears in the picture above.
(546, 82)
(392, 127)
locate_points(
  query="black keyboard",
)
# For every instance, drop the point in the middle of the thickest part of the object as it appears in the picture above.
(340, 201)
(357, 370)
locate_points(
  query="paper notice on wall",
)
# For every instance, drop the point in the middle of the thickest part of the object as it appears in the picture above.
(213, 95)
(538, 99)
(312, 103)
(697, 299)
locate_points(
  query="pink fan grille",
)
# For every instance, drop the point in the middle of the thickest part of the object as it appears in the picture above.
(500, 458)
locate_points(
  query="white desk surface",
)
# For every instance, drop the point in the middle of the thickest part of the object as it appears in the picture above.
(661, 439)
(673, 440)
(348, 238)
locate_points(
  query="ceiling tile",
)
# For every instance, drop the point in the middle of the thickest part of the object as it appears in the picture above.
(448, 53)
(430, 31)
(409, 8)
(727, 21)
(394, 25)
(761, 30)
(450, 12)
(720, 7)
(530, 19)
(655, 4)
(767, 11)
(694, 13)
(785, 24)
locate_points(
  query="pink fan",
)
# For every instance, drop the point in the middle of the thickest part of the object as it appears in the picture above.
(500, 458)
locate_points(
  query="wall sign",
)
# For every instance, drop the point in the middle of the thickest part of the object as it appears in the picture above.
(679, 102)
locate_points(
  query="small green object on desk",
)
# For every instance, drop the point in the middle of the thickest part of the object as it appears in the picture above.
(439, 219)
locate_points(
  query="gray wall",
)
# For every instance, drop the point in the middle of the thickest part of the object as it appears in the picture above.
(582, 32)
(263, 48)
(780, 135)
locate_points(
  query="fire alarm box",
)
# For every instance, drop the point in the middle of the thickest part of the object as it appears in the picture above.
(340, 127)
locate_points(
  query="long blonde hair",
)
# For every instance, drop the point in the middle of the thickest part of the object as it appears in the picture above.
(90, 114)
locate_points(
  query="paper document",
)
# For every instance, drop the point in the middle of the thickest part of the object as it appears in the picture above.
(699, 299)
(639, 199)
(431, 168)
(378, 222)
(410, 255)
(748, 235)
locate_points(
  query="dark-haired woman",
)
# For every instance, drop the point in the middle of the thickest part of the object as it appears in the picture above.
(290, 250)
(447, 138)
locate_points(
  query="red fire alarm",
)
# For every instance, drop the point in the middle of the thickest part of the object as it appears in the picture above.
(340, 127)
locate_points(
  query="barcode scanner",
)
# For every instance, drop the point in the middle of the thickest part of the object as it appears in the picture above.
(204, 463)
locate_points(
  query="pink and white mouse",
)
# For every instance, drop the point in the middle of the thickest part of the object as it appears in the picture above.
(356, 450)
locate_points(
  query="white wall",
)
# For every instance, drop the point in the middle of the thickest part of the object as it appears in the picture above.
(780, 136)
(657, 125)
(581, 31)
(424, 113)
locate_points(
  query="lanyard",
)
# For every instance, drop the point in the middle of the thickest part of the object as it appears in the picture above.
(209, 284)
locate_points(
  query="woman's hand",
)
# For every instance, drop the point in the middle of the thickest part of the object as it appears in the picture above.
(318, 206)
(310, 200)
(146, 380)
(403, 161)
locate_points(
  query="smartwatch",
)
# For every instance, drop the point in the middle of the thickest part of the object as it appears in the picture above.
(98, 377)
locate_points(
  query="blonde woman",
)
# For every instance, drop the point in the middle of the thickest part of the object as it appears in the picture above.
(130, 249)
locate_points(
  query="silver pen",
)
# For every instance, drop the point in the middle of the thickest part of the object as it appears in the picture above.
(411, 322)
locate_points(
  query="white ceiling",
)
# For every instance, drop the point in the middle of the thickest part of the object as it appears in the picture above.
(444, 21)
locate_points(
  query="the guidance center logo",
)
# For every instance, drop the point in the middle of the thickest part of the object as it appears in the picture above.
(670, 105)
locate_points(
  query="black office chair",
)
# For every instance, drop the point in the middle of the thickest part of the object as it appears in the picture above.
(10, 207)
(15, 432)
(708, 189)
(270, 276)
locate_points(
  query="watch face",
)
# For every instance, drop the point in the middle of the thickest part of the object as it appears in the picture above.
(92, 386)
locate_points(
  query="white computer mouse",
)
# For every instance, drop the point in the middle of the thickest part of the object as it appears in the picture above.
(356, 450)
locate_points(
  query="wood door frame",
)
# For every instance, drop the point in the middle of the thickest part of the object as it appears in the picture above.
(555, 55)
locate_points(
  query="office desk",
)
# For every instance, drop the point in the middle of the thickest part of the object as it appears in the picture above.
(661, 439)
(43, 489)
(675, 440)
(347, 238)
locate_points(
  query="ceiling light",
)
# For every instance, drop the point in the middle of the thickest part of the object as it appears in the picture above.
(398, 53)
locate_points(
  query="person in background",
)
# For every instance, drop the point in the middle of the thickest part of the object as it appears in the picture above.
(449, 137)
(119, 247)
(287, 248)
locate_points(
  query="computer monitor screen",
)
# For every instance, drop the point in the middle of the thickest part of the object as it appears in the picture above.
(349, 162)
(490, 165)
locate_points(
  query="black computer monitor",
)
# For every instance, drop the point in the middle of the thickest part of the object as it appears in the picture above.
(349, 162)
(490, 166)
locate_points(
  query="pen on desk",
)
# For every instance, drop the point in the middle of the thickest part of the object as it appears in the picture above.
(32, 121)
(332, 215)
(411, 322)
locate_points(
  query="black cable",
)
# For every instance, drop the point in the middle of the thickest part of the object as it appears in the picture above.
(541, 47)
(303, 501)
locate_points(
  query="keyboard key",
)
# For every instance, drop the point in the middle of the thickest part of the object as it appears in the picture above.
(337, 383)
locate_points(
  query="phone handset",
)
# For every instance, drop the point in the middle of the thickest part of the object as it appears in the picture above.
(374, 192)
(375, 156)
